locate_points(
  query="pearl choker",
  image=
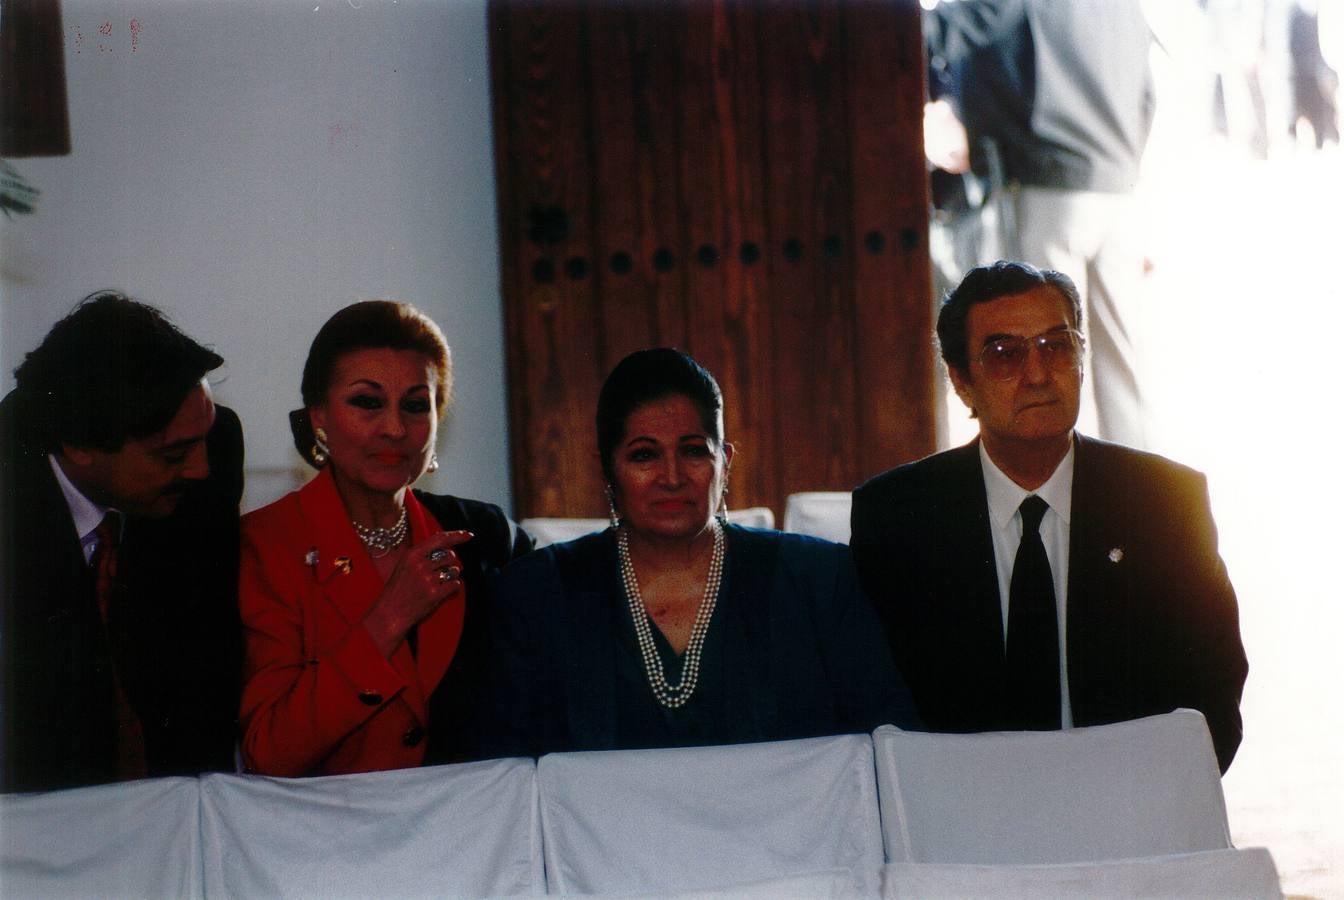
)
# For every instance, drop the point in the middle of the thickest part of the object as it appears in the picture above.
(382, 541)
(669, 695)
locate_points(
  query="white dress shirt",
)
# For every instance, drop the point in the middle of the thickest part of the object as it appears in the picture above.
(87, 514)
(1005, 496)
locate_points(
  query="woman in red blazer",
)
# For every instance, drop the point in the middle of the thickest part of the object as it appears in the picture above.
(362, 600)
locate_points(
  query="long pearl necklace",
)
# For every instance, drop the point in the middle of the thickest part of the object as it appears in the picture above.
(670, 695)
(382, 541)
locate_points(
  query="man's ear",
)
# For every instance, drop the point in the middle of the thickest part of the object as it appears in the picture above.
(78, 456)
(962, 386)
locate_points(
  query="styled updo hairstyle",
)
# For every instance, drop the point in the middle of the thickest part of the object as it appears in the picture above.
(653, 374)
(368, 325)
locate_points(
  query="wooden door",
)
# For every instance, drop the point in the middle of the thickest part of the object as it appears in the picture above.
(743, 180)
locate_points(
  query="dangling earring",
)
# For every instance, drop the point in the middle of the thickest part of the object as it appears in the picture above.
(722, 514)
(433, 463)
(611, 506)
(320, 449)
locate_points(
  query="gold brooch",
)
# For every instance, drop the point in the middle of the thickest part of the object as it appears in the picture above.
(343, 563)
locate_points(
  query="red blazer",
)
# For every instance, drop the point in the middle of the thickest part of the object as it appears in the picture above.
(318, 697)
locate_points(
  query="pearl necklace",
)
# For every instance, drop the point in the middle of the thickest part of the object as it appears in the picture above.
(669, 695)
(382, 541)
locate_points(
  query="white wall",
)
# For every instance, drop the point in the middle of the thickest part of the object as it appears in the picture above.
(250, 166)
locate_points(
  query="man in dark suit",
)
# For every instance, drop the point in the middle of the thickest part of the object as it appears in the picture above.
(118, 555)
(1111, 603)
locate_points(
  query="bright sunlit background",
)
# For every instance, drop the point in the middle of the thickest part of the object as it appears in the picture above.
(1242, 334)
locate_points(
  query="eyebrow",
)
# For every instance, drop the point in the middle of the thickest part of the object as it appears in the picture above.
(181, 443)
(998, 336)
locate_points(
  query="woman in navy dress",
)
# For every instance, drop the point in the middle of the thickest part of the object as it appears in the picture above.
(672, 627)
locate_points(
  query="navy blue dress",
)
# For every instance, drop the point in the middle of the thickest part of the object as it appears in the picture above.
(794, 650)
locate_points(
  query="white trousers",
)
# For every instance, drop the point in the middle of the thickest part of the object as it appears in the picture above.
(1093, 238)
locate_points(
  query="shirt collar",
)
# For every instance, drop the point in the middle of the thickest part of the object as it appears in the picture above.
(1005, 495)
(87, 514)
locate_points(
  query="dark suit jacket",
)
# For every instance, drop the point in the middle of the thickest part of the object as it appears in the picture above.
(793, 649)
(320, 698)
(1151, 615)
(174, 643)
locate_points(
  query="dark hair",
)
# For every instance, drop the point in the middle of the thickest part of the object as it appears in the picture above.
(112, 370)
(368, 325)
(984, 283)
(647, 375)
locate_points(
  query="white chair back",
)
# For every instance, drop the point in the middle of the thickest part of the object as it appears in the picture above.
(546, 530)
(823, 514)
(467, 830)
(709, 818)
(1143, 788)
(133, 839)
(1210, 875)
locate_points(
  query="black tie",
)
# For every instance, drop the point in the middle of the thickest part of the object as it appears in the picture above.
(1033, 632)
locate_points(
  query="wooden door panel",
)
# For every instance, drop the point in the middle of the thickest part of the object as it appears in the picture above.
(743, 180)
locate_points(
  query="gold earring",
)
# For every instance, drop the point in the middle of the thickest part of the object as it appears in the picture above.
(320, 451)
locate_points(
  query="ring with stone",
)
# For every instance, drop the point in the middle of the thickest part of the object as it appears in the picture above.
(436, 554)
(446, 575)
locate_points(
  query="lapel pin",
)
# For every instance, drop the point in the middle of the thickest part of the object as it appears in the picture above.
(1115, 555)
(310, 558)
(343, 563)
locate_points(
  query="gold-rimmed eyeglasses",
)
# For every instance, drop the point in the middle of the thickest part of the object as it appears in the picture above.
(1005, 358)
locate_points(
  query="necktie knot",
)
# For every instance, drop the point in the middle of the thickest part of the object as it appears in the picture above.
(1033, 510)
(109, 531)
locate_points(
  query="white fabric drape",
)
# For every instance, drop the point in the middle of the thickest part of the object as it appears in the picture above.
(468, 830)
(1210, 875)
(134, 839)
(661, 821)
(1148, 787)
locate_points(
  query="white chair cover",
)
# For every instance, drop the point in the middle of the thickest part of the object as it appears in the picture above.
(1143, 788)
(823, 514)
(546, 530)
(1212, 874)
(555, 530)
(703, 818)
(467, 830)
(832, 884)
(133, 839)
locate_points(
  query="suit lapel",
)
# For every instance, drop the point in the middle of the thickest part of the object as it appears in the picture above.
(969, 543)
(1098, 569)
(345, 573)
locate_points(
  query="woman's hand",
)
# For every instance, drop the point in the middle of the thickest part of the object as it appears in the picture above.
(429, 574)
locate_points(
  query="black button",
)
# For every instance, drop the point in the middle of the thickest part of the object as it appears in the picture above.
(370, 698)
(414, 735)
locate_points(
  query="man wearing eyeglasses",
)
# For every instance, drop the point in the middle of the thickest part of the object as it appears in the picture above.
(1036, 578)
